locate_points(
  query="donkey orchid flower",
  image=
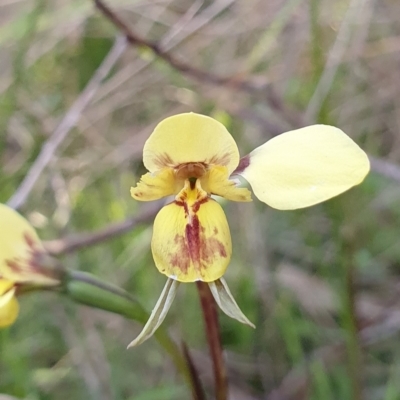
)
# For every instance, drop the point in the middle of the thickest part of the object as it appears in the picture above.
(192, 157)
(21, 253)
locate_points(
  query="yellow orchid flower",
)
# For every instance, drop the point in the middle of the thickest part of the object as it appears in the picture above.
(192, 157)
(21, 254)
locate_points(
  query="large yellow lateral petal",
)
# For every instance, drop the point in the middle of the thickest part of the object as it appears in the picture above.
(9, 307)
(190, 138)
(191, 239)
(154, 186)
(216, 181)
(304, 167)
(18, 243)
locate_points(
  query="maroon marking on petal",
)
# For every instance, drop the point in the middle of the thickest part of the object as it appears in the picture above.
(182, 204)
(180, 259)
(223, 159)
(15, 265)
(163, 160)
(243, 164)
(192, 232)
(197, 204)
(29, 240)
(193, 248)
(190, 170)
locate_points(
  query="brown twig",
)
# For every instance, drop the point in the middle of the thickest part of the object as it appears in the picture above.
(211, 323)
(197, 388)
(201, 75)
(79, 241)
(67, 123)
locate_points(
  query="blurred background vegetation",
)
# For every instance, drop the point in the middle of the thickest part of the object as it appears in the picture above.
(322, 284)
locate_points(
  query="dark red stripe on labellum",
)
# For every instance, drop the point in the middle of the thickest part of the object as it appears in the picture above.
(194, 246)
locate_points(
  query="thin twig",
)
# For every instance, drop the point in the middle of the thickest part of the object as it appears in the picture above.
(187, 69)
(333, 61)
(67, 123)
(211, 323)
(79, 241)
(197, 387)
(350, 322)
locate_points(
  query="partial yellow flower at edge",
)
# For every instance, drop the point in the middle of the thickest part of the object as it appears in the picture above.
(9, 307)
(19, 244)
(23, 261)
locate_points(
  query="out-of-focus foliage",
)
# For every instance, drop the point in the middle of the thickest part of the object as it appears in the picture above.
(321, 284)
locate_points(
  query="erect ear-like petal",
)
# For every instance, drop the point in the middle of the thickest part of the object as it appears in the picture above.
(190, 138)
(304, 167)
(191, 239)
(154, 186)
(18, 245)
(9, 307)
(216, 181)
(159, 312)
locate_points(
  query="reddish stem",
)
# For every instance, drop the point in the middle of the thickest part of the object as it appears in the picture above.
(211, 323)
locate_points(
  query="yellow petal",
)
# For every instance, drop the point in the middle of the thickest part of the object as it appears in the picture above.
(18, 243)
(191, 239)
(154, 186)
(304, 167)
(216, 181)
(9, 307)
(190, 138)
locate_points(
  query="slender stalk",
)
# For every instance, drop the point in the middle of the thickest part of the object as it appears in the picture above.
(211, 323)
(350, 322)
(197, 387)
(346, 235)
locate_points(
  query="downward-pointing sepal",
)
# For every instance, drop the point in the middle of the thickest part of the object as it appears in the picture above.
(226, 302)
(159, 312)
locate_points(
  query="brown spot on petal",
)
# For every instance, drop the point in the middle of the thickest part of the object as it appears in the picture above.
(190, 170)
(163, 160)
(29, 240)
(220, 159)
(180, 259)
(15, 265)
(182, 204)
(243, 164)
(197, 204)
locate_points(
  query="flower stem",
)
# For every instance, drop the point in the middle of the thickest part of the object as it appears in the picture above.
(211, 323)
(86, 289)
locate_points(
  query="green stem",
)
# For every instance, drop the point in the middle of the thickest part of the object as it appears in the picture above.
(87, 289)
(350, 323)
(211, 323)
